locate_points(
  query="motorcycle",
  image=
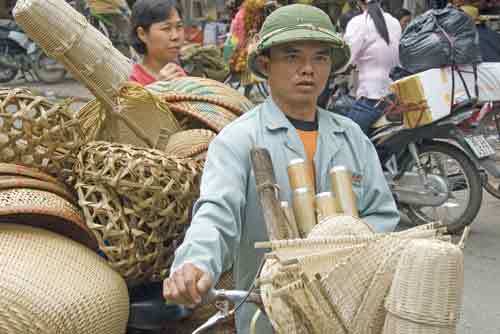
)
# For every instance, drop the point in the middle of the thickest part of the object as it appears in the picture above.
(434, 170)
(19, 53)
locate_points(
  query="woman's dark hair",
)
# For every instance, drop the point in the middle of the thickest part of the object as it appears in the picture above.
(147, 12)
(377, 16)
(402, 13)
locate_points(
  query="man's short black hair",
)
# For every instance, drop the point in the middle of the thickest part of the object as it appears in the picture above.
(402, 13)
(147, 12)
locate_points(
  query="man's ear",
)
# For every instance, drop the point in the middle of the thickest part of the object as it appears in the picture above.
(263, 62)
(141, 34)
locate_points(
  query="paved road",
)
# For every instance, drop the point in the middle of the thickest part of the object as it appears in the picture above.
(481, 310)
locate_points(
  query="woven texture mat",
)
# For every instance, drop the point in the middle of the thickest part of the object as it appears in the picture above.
(37, 133)
(50, 284)
(138, 204)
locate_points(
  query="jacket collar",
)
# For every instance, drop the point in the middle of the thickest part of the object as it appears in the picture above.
(275, 119)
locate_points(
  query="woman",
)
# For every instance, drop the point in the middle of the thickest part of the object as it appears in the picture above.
(373, 37)
(157, 34)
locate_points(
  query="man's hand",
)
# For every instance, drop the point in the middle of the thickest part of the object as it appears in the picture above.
(170, 72)
(186, 285)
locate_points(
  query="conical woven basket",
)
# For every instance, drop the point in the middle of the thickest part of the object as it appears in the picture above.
(67, 36)
(428, 284)
(50, 284)
(138, 203)
(189, 143)
(37, 133)
(45, 210)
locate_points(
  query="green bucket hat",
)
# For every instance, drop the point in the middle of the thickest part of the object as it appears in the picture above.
(294, 23)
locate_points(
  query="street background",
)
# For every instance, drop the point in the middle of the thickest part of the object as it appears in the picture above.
(481, 307)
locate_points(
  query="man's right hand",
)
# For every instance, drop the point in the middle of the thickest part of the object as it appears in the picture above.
(186, 285)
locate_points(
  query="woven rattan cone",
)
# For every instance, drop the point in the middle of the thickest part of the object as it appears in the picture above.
(50, 284)
(189, 143)
(37, 133)
(428, 284)
(45, 210)
(341, 226)
(86, 53)
(137, 202)
(347, 283)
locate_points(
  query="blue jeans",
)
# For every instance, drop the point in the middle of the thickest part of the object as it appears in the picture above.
(364, 113)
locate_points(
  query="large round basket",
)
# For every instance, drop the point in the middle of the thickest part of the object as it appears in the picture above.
(138, 203)
(50, 284)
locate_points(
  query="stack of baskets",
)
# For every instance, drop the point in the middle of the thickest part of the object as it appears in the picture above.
(51, 279)
(339, 276)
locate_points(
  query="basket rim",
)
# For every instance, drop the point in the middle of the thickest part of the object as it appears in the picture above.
(84, 235)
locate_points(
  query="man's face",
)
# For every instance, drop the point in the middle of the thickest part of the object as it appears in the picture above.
(298, 71)
(404, 22)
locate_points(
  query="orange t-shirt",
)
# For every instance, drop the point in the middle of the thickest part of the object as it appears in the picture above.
(309, 139)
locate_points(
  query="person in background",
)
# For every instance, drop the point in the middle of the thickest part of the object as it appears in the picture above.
(157, 33)
(489, 40)
(404, 17)
(373, 37)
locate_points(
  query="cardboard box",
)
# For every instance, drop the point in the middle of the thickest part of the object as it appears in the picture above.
(426, 96)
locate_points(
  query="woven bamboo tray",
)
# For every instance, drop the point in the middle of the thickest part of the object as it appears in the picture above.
(50, 284)
(137, 202)
(37, 133)
(66, 35)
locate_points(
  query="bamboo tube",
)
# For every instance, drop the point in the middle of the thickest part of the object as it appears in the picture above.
(303, 208)
(299, 175)
(326, 206)
(342, 187)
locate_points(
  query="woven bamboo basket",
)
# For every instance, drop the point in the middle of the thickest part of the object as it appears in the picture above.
(428, 288)
(137, 202)
(189, 143)
(37, 133)
(195, 103)
(66, 35)
(341, 225)
(50, 284)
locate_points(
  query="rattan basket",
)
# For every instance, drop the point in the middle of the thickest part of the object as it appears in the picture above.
(341, 225)
(138, 203)
(66, 35)
(45, 210)
(428, 286)
(37, 133)
(50, 284)
(196, 103)
(189, 143)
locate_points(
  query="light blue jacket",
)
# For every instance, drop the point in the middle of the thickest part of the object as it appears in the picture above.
(227, 218)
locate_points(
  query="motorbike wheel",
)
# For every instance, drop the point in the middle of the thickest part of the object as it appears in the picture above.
(42, 69)
(464, 186)
(6, 74)
(490, 128)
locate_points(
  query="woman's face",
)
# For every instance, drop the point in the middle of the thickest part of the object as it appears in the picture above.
(164, 39)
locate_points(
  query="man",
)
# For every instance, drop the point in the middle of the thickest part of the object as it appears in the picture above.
(404, 17)
(296, 50)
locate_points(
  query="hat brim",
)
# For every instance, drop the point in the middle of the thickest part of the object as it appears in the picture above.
(340, 50)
